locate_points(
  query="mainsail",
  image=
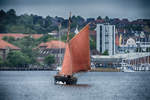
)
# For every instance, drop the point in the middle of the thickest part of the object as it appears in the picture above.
(77, 54)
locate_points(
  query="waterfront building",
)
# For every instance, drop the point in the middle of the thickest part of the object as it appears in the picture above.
(54, 47)
(129, 46)
(105, 40)
(144, 45)
(5, 48)
(133, 58)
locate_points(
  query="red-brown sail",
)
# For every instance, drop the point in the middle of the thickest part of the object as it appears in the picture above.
(77, 54)
(67, 63)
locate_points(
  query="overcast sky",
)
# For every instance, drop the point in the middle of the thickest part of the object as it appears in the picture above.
(132, 9)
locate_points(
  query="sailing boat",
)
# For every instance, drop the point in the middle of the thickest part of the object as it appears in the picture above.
(76, 58)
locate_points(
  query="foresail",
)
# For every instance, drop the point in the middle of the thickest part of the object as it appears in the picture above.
(80, 51)
(67, 63)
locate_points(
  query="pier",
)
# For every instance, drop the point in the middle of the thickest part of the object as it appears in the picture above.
(138, 61)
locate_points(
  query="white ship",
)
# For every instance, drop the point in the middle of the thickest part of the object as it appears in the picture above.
(126, 67)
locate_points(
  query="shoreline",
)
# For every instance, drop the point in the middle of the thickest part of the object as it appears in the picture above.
(27, 69)
(105, 70)
(52, 69)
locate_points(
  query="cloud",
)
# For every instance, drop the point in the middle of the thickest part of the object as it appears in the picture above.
(88, 8)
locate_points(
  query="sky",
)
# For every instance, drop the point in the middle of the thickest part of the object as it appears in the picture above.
(131, 9)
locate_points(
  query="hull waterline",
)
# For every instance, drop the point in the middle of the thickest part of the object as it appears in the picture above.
(71, 80)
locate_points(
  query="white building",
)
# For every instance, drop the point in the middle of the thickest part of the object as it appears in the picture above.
(105, 39)
(131, 43)
(130, 46)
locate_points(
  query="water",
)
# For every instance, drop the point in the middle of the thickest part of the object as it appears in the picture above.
(38, 85)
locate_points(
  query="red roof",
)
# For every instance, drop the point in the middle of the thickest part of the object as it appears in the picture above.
(53, 44)
(100, 21)
(20, 35)
(15, 35)
(36, 36)
(4, 45)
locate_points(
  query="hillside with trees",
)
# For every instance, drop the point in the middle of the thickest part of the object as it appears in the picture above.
(12, 23)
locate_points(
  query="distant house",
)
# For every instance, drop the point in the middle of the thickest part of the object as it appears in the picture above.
(54, 47)
(20, 35)
(5, 48)
(100, 21)
(130, 46)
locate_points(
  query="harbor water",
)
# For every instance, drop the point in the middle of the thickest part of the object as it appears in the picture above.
(39, 85)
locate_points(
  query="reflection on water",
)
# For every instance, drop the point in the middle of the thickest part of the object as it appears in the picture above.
(39, 85)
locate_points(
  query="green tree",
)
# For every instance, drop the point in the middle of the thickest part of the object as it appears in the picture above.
(92, 44)
(49, 60)
(1, 62)
(105, 52)
(45, 38)
(9, 39)
(64, 37)
(11, 16)
(32, 54)
(17, 59)
(106, 19)
(99, 18)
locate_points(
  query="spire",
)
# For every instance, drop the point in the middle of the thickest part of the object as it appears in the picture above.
(76, 31)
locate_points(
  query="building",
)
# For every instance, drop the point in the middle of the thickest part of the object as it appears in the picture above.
(144, 45)
(129, 46)
(76, 31)
(133, 58)
(5, 48)
(105, 40)
(106, 61)
(54, 47)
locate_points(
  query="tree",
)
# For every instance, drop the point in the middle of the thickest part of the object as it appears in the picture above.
(2, 13)
(99, 18)
(11, 16)
(105, 52)
(1, 61)
(31, 54)
(106, 19)
(49, 60)
(11, 12)
(45, 38)
(8, 39)
(64, 37)
(92, 44)
(17, 59)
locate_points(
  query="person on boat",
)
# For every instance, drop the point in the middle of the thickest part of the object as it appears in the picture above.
(69, 76)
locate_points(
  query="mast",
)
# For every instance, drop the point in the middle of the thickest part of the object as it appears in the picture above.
(69, 22)
(59, 27)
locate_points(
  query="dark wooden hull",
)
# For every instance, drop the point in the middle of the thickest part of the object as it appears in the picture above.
(65, 80)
